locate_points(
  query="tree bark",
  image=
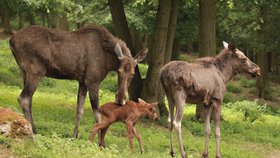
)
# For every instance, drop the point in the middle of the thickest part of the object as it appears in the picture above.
(62, 22)
(175, 50)
(6, 21)
(20, 21)
(275, 63)
(207, 28)
(120, 23)
(168, 53)
(207, 36)
(31, 18)
(262, 82)
(262, 56)
(151, 88)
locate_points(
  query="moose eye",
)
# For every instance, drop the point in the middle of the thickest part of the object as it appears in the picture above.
(243, 60)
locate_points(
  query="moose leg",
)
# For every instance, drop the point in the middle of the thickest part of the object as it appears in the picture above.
(93, 89)
(139, 138)
(80, 106)
(25, 98)
(179, 102)
(170, 122)
(217, 115)
(207, 129)
(129, 127)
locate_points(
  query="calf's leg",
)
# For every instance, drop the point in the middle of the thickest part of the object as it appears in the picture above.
(103, 125)
(103, 133)
(170, 122)
(139, 138)
(129, 127)
(217, 115)
(180, 98)
(80, 107)
(207, 129)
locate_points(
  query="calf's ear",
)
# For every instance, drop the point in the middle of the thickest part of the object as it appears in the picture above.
(141, 55)
(225, 44)
(141, 100)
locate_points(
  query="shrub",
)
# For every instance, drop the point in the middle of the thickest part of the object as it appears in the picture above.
(247, 83)
(252, 111)
(232, 88)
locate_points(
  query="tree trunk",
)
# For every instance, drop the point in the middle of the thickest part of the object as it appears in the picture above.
(6, 22)
(171, 30)
(120, 23)
(62, 22)
(168, 53)
(138, 45)
(207, 28)
(43, 17)
(207, 35)
(262, 56)
(175, 50)
(262, 82)
(151, 88)
(31, 19)
(275, 63)
(20, 21)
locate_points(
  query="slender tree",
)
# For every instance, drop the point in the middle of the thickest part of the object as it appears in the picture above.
(207, 35)
(262, 55)
(121, 26)
(152, 87)
(169, 49)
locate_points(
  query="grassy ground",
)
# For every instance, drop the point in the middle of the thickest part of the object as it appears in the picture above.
(248, 130)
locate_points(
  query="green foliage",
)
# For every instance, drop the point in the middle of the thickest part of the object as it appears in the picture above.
(252, 111)
(5, 141)
(232, 88)
(247, 83)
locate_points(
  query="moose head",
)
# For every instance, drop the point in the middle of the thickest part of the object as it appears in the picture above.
(126, 71)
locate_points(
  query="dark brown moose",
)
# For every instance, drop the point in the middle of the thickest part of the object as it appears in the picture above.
(86, 55)
(202, 82)
(129, 114)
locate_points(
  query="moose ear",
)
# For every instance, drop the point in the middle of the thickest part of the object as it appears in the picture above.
(141, 55)
(118, 50)
(141, 100)
(225, 44)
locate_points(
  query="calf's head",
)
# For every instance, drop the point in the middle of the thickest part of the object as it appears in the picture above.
(126, 71)
(150, 109)
(241, 63)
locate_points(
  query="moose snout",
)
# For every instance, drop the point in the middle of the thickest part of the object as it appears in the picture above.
(119, 101)
(257, 72)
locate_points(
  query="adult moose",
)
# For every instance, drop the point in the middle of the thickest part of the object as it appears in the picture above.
(202, 82)
(86, 55)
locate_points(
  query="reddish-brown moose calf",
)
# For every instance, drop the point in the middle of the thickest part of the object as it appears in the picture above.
(129, 114)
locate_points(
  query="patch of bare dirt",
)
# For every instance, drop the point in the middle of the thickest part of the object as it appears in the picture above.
(266, 150)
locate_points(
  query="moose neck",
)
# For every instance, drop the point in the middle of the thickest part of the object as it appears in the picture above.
(222, 62)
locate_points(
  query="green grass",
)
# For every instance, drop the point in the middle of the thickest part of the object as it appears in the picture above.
(248, 130)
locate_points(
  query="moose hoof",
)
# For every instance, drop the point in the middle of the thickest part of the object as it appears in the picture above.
(205, 155)
(172, 153)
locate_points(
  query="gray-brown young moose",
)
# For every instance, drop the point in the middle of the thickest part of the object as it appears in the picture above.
(202, 82)
(129, 114)
(86, 55)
